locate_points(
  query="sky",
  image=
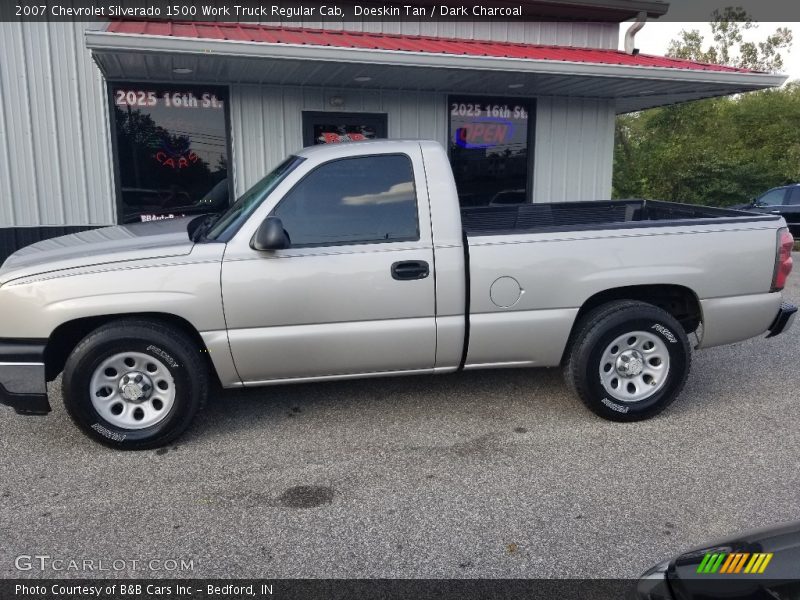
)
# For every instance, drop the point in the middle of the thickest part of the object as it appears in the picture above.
(655, 37)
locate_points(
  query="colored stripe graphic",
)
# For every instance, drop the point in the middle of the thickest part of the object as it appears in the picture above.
(755, 562)
(718, 563)
(763, 565)
(734, 562)
(728, 562)
(701, 568)
(740, 562)
(731, 563)
(711, 563)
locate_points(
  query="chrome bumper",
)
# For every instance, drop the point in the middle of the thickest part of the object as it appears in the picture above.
(23, 386)
(784, 320)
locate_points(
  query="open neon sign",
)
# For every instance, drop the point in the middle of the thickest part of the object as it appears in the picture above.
(484, 133)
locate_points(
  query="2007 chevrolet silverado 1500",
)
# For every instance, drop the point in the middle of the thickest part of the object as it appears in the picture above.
(356, 261)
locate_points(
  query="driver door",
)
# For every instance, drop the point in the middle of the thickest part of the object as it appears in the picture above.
(354, 293)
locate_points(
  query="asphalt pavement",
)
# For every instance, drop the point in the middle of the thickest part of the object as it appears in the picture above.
(482, 474)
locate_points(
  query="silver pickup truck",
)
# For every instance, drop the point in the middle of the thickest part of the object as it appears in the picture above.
(356, 261)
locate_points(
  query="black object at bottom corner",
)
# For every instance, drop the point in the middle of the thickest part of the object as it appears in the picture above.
(25, 404)
(783, 320)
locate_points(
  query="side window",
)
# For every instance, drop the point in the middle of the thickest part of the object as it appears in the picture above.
(772, 197)
(171, 150)
(794, 196)
(353, 201)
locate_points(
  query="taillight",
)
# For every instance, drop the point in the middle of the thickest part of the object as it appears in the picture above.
(783, 259)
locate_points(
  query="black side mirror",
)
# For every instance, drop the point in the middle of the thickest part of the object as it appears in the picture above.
(270, 235)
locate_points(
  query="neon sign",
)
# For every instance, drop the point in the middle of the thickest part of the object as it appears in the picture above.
(484, 133)
(176, 157)
(329, 137)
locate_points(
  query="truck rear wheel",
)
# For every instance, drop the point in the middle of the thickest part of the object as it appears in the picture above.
(134, 384)
(628, 360)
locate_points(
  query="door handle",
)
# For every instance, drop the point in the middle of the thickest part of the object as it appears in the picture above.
(408, 270)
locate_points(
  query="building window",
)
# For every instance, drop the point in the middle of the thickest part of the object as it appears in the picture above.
(171, 149)
(338, 128)
(488, 146)
(367, 199)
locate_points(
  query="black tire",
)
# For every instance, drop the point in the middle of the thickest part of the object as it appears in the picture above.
(593, 335)
(171, 347)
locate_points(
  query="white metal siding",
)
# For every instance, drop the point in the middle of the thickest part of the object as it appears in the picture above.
(585, 35)
(55, 152)
(574, 149)
(267, 121)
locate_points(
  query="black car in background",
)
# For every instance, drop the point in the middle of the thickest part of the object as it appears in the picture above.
(784, 201)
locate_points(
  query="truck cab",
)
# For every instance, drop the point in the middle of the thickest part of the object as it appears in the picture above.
(363, 284)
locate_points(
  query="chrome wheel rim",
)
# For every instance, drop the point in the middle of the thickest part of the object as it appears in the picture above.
(132, 390)
(634, 366)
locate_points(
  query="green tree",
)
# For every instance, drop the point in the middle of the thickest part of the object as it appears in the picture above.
(729, 47)
(720, 151)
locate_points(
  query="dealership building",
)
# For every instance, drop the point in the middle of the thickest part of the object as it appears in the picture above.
(129, 120)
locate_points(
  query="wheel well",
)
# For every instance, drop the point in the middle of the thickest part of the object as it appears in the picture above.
(677, 300)
(67, 335)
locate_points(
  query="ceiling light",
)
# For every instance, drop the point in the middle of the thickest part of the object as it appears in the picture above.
(362, 78)
(516, 86)
(182, 70)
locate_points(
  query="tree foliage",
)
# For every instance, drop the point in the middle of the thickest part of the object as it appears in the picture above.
(720, 151)
(729, 47)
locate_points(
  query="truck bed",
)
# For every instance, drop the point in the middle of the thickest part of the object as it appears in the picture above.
(602, 214)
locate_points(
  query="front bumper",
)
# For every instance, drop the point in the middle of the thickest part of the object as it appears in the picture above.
(23, 386)
(784, 320)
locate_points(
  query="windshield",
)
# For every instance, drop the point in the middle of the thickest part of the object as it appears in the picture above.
(230, 221)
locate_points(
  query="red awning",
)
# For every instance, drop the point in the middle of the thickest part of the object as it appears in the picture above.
(247, 53)
(251, 32)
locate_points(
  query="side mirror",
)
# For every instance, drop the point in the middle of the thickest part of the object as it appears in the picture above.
(270, 235)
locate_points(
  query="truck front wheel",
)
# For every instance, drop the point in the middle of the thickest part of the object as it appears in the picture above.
(628, 360)
(134, 384)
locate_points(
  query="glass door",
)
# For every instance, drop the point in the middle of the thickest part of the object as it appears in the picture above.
(489, 143)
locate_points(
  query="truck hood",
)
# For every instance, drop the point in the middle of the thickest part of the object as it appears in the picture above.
(155, 239)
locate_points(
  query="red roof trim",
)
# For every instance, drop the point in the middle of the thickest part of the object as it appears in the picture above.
(251, 32)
